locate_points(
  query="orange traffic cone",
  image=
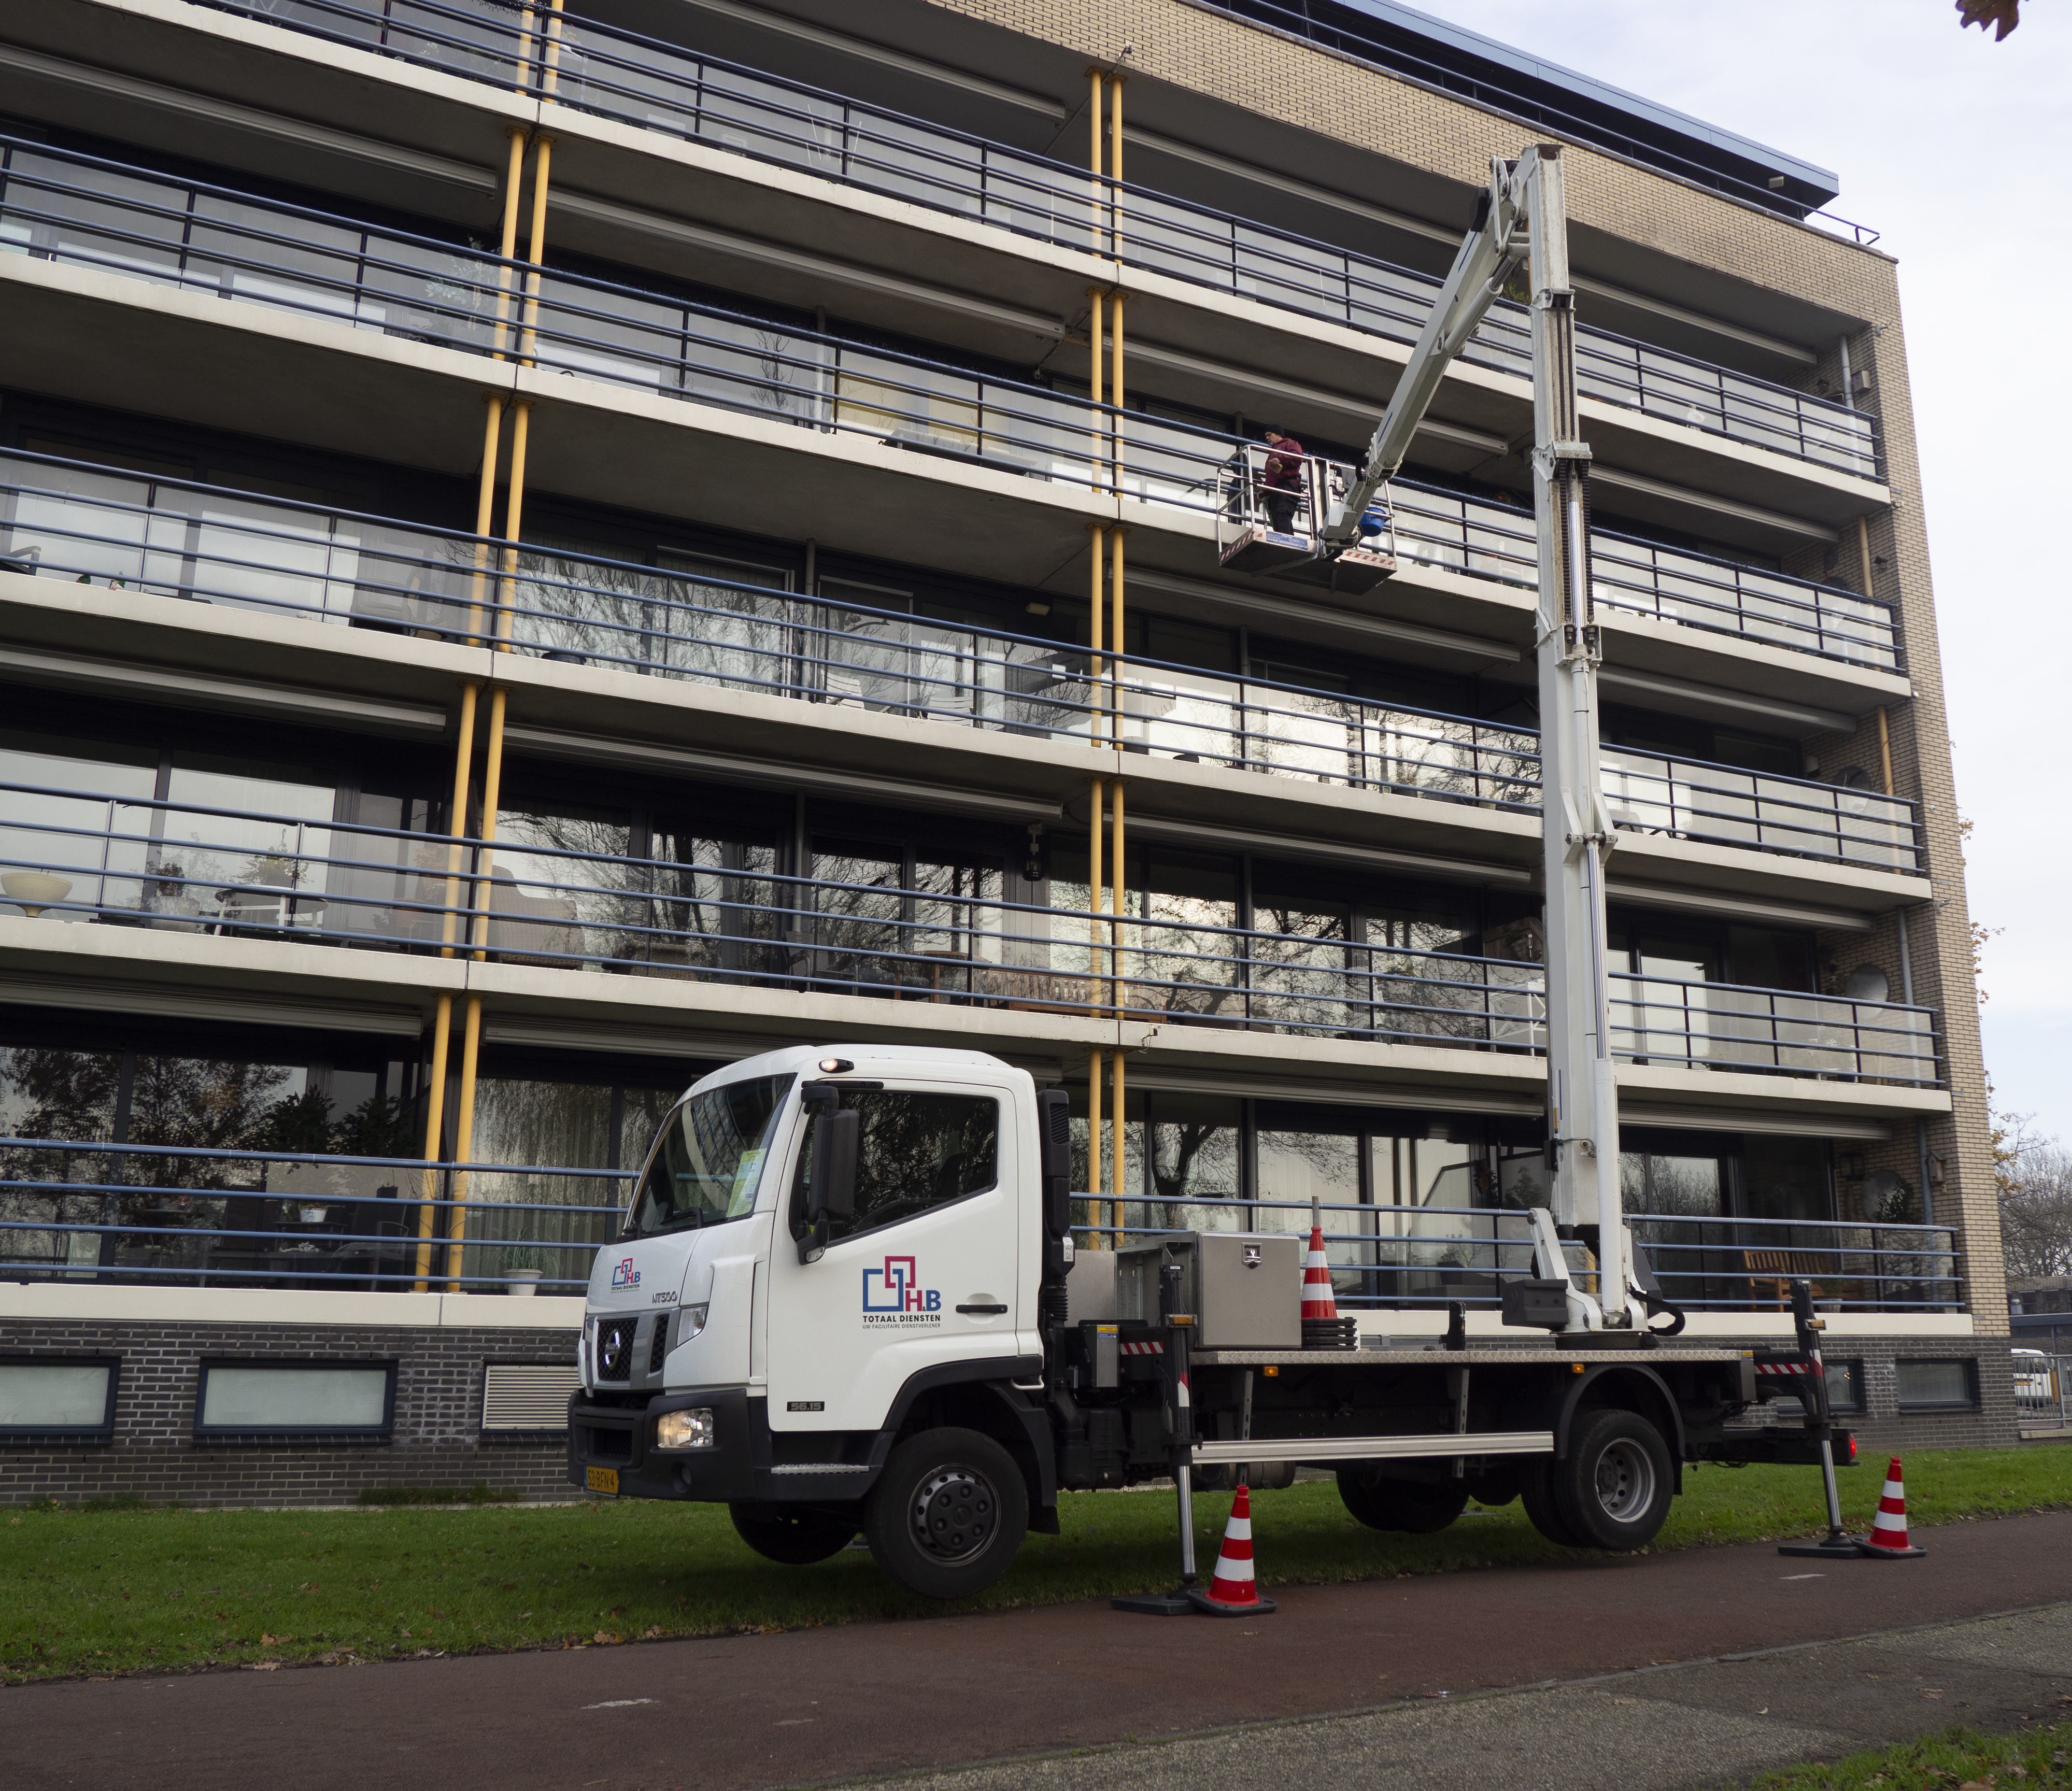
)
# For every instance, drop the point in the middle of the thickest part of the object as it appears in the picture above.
(1323, 1328)
(1888, 1538)
(1232, 1590)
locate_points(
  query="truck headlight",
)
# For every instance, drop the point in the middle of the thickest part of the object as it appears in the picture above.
(685, 1430)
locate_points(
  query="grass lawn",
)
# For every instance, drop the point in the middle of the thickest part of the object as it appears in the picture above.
(98, 1591)
(2040, 1760)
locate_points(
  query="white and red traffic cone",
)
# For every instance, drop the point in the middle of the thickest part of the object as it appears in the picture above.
(1888, 1537)
(1232, 1590)
(1323, 1328)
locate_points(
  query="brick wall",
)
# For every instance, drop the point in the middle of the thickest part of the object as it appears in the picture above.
(155, 1455)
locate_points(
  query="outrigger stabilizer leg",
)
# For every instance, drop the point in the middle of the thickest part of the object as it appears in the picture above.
(1837, 1544)
(1179, 1407)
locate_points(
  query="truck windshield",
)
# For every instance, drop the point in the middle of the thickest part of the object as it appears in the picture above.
(708, 1163)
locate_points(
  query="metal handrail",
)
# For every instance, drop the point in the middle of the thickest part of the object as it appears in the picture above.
(351, 568)
(427, 290)
(559, 907)
(661, 86)
(1860, 1267)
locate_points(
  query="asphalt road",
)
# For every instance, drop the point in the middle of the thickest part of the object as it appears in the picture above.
(814, 1705)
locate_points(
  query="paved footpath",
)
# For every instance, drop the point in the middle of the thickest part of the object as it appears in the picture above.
(915, 1697)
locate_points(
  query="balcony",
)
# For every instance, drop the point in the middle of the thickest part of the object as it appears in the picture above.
(135, 223)
(128, 861)
(661, 86)
(160, 537)
(145, 1215)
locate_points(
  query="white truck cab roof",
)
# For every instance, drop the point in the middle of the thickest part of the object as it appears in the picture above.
(866, 1060)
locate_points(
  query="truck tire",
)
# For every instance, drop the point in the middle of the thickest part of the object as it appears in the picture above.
(1614, 1485)
(798, 1538)
(1536, 1489)
(1400, 1505)
(949, 1514)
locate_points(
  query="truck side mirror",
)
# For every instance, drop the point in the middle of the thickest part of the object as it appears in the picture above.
(1053, 1126)
(832, 1193)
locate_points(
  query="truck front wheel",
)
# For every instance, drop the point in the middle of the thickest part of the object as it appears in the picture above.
(947, 1517)
(1613, 1487)
(798, 1536)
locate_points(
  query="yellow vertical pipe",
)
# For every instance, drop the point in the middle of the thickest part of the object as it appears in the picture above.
(1863, 554)
(1117, 645)
(541, 159)
(1116, 450)
(492, 786)
(485, 503)
(514, 518)
(434, 1124)
(1115, 1160)
(1097, 639)
(1115, 83)
(552, 72)
(514, 177)
(1885, 748)
(457, 819)
(470, 1046)
(1118, 904)
(1096, 354)
(1096, 886)
(1096, 80)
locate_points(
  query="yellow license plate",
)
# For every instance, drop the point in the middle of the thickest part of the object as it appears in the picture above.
(601, 1480)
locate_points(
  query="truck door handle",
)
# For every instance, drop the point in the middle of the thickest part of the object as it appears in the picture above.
(983, 1311)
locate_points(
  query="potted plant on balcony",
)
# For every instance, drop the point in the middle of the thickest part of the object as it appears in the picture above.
(522, 1269)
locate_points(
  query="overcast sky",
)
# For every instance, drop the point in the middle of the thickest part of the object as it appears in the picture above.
(1950, 145)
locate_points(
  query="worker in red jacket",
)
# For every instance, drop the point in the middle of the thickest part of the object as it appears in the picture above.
(1283, 481)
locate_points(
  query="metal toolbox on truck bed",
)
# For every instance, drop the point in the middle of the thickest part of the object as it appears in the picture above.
(1243, 1288)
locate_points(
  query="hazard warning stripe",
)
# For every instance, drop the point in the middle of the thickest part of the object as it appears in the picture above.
(1142, 1348)
(1791, 1368)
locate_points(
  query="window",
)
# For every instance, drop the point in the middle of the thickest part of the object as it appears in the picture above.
(708, 1161)
(918, 1150)
(1845, 1384)
(1938, 1385)
(254, 1400)
(49, 1397)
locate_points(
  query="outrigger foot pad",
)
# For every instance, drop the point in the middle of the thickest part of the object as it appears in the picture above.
(1179, 1603)
(1829, 1548)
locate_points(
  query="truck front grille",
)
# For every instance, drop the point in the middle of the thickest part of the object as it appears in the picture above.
(614, 1349)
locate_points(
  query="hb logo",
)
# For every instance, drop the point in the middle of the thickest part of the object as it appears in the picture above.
(897, 1289)
(625, 1275)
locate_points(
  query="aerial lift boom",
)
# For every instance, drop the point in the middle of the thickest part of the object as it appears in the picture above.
(1522, 220)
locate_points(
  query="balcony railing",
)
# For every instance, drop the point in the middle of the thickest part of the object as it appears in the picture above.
(76, 521)
(661, 86)
(141, 1214)
(161, 1215)
(136, 222)
(1481, 538)
(1397, 1258)
(196, 868)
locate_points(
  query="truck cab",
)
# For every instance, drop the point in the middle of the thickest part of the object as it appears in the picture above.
(780, 1334)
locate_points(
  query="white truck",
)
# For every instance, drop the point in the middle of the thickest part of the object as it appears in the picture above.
(847, 1301)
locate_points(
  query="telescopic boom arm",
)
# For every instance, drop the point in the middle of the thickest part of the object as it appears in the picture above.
(1523, 220)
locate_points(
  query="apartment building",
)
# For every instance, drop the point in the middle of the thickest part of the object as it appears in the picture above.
(545, 548)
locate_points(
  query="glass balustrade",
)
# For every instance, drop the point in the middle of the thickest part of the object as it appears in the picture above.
(73, 855)
(661, 86)
(163, 537)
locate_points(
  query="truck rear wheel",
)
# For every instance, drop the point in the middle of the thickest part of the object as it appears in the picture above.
(798, 1538)
(947, 1515)
(1537, 1489)
(1614, 1485)
(1410, 1506)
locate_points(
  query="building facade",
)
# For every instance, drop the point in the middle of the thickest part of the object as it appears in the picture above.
(544, 549)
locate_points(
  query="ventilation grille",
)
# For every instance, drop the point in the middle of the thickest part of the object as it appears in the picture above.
(658, 1351)
(527, 1396)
